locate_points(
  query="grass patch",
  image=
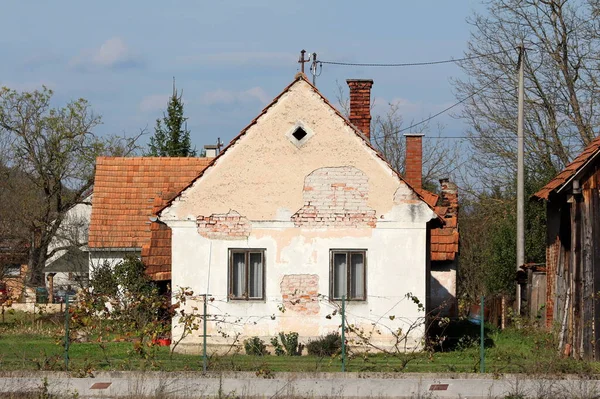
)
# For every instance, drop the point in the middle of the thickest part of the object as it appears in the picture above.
(29, 346)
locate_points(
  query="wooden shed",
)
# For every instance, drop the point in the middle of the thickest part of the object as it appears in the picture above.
(573, 254)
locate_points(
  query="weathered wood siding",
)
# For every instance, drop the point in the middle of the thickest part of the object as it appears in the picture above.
(573, 268)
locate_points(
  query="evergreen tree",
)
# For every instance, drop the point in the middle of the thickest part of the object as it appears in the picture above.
(171, 137)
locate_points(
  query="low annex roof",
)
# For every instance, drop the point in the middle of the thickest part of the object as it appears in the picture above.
(125, 191)
(589, 153)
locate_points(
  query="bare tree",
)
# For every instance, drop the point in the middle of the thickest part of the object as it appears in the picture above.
(54, 151)
(561, 84)
(441, 158)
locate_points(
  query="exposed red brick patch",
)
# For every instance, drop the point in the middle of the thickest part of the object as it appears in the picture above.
(224, 226)
(336, 197)
(300, 293)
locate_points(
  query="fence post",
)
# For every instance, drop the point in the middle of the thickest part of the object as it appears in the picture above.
(343, 333)
(204, 358)
(67, 332)
(482, 338)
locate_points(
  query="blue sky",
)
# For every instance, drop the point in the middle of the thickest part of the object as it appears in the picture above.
(229, 57)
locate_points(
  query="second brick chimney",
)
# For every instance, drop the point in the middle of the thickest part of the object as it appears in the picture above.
(413, 163)
(360, 104)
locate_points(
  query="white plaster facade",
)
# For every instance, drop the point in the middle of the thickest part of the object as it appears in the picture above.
(270, 182)
(69, 267)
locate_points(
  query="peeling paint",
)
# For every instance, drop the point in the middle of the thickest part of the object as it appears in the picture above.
(300, 293)
(336, 197)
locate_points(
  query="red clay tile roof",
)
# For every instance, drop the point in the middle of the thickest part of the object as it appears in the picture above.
(571, 169)
(430, 198)
(124, 193)
(444, 239)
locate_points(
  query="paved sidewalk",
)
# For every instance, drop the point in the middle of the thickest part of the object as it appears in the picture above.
(305, 385)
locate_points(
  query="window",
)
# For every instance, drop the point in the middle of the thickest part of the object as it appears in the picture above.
(348, 274)
(246, 273)
(12, 270)
(299, 133)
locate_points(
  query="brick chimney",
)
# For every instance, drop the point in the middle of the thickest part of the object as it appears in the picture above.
(413, 163)
(360, 104)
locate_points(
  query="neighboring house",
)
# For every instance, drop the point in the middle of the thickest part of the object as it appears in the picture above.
(573, 254)
(443, 239)
(126, 192)
(67, 268)
(296, 213)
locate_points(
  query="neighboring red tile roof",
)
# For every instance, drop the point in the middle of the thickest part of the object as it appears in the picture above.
(430, 198)
(571, 169)
(125, 196)
(444, 239)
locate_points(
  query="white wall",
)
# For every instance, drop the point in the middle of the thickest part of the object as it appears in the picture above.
(73, 230)
(395, 267)
(98, 258)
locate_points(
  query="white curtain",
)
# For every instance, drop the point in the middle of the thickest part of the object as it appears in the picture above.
(255, 283)
(357, 270)
(238, 275)
(340, 274)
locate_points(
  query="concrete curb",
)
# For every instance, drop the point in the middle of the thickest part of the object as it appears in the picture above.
(305, 385)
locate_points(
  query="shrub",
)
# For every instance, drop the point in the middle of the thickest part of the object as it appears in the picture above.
(328, 345)
(255, 347)
(289, 345)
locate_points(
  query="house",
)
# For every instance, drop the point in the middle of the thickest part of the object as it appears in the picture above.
(443, 238)
(300, 212)
(573, 254)
(67, 268)
(126, 193)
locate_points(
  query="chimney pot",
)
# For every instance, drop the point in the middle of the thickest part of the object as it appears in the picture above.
(360, 104)
(210, 150)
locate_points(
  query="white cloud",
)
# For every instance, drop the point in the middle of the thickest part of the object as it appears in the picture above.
(113, 53)
(154, 102)
(221, 96)
(240, 58)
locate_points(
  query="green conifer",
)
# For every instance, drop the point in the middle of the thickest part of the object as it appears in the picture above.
(171, 136)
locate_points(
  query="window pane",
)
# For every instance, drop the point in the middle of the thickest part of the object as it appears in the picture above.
(255, 278)
(340, 274)
(238, 271)
(357, 272)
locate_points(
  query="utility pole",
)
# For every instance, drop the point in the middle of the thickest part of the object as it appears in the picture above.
(520, 176)
(313, 69)
(219, 145)
(302, 60)
(204, 354)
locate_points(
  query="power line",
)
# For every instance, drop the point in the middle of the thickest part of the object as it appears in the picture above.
(446, 109)
(408, 64)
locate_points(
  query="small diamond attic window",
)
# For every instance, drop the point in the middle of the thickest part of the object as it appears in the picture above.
(299, 133)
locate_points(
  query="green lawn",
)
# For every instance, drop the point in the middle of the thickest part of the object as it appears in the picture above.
(25, 345)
